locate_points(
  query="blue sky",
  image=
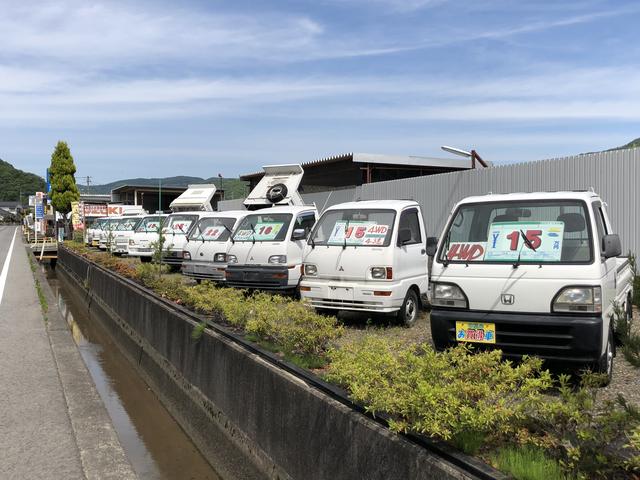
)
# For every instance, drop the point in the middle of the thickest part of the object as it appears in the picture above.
(205, 87)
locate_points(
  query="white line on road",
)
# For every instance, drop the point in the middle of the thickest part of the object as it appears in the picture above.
(5, 267)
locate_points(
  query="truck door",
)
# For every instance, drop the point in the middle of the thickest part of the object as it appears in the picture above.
(411, 258)
(609, 265)
(306, 221)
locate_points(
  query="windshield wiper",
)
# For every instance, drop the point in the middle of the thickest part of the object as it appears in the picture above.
(253, 229)
(445, 258)
(230, 233)
(346, 227)
(526, 242)
(313, 243)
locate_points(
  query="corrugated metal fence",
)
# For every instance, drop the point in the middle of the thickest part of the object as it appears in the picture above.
(614, 175)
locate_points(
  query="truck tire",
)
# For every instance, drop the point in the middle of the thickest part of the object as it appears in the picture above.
(605, 365)
(277, 192)
(145, 259)
(408, 313)
(329, 312)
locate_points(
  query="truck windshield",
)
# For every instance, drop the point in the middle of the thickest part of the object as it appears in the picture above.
(361, 227)
(149, 225)
(178, 224)
(527, 231)
(127, 224)
(215, 229)
(263, 227)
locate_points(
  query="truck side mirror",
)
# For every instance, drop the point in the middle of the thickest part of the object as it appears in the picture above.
(611, 246)
(299, 234)
(404, 236)
(432, 246)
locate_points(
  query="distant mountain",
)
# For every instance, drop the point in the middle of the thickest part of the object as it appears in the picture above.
(14, 181)
(233, 187)
(632, 144)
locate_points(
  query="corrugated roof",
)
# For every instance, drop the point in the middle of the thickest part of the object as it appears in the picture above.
(413, 160)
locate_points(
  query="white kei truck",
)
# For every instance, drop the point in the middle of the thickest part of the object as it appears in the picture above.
(267, 245)
(192, 204)
(205, 253)
(122, 232)
(93, 230)
(368, 256)
(146, 233)
(531, 274)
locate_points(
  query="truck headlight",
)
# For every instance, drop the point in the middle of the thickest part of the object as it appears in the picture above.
(232, 259)
(448, 295)
(310, 269)
(278, 259)
(578, 299)
(382, 273)
(186, 255)
(220, 257)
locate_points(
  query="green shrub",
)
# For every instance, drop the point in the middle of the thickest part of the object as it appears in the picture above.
(443, 395)
(526, 463)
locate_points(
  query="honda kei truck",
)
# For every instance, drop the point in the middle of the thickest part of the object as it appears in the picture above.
(266, 246)
(205, 253)
(367, 256)
(531, 274)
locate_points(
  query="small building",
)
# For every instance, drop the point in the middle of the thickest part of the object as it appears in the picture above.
(354, 169)
(150, 196)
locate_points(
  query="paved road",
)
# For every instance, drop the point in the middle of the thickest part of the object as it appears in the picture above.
(52, 423)
(37, 440)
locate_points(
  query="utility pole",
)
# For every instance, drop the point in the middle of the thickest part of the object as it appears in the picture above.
(88, 180)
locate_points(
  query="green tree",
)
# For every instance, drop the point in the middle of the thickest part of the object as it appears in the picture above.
(63, 182)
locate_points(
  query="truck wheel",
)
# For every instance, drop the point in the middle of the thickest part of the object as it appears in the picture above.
(145, 259)
(605, 365)
(408, 313)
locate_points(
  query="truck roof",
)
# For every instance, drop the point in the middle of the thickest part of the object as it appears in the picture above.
(586, 196)
(388, 204)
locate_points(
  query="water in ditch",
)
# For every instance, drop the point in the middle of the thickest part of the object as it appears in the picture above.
(155, 444)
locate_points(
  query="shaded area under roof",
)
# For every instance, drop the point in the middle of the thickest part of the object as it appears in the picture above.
(351, 169)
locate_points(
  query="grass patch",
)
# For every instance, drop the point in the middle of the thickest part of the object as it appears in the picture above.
(310, 362)
(198, 330)
(468, 441)
(528, 463)
(44, 306)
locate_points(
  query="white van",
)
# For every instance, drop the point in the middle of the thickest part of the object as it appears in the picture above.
(93, 231)
(531, 274)
(266, 251)
(205, 253)
(107, 232)
(267, 245)
(368, 256)
(144, 237)
(123, 231)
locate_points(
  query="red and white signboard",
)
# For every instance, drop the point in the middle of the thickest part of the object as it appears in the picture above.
(95, 210)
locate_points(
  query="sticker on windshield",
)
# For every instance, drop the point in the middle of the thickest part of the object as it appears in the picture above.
(466, 251)
(531, 241)
(261, 231)
(358, 233)
(212, 233)
(179, 226)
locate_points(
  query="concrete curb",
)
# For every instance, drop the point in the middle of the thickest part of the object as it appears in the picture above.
(101, 453)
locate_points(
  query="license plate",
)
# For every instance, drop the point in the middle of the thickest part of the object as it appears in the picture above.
(340, 293)
(477, 332)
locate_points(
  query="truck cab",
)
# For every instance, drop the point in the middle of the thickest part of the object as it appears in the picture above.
(92, 234)
(107, 232)
(531, 274)
(205, 253)
(145, 235)
(267, 245)
(123, 231)
(368, 256)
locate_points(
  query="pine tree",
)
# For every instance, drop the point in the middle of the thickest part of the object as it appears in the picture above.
(63, 182)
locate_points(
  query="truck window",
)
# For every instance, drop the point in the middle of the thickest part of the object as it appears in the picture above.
(409, 219)
(305, 221)
(214, 229)
(493, 232)
(354, 227)
(263, 227)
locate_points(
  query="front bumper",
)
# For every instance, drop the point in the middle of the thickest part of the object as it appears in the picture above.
(270, 277)
(555, 338)
(353, 296)
(204, 270)
(173, 258)
(138, 251)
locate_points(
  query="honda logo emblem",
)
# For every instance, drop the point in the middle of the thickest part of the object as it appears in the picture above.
(507, 299)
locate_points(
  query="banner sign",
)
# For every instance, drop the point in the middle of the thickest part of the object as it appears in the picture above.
(39, 206)
(95, 210)
(76, 221)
